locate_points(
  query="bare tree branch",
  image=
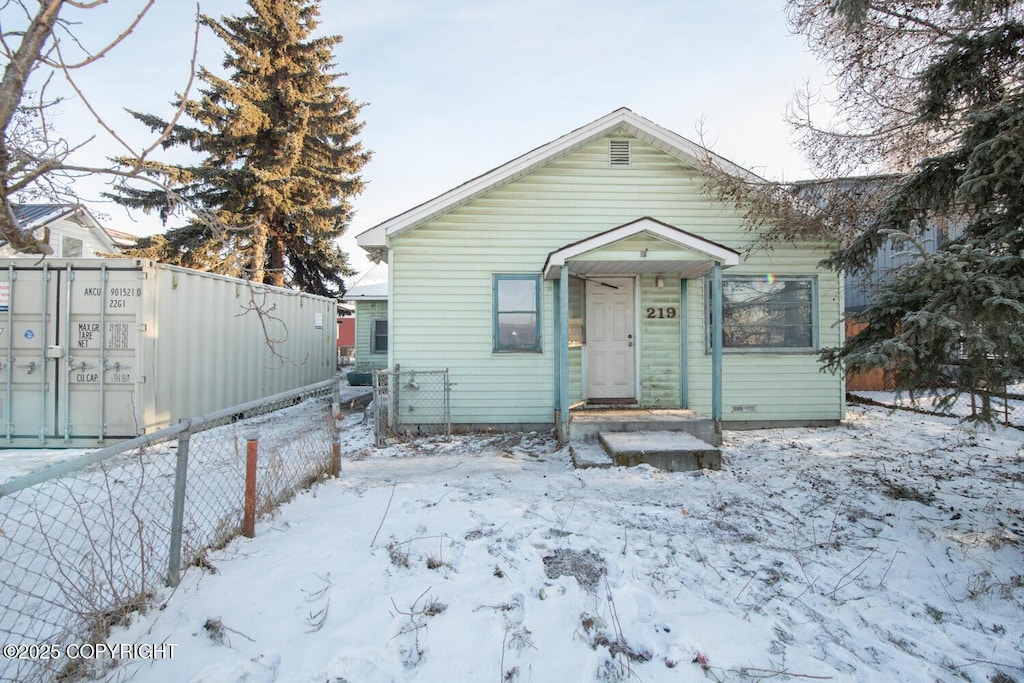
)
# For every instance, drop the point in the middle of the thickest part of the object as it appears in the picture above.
(63, 66)
(33, 159)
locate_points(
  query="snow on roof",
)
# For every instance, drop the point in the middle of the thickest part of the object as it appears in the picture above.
(373, 285)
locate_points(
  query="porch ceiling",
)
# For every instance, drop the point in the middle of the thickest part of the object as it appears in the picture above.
(687, 269)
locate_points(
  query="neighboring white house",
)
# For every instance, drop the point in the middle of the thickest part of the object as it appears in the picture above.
(369, 295)
(70, 230)
(597, 269)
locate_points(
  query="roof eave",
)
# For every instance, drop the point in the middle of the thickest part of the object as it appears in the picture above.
(373, 239)
(59, 211)
(687, 151)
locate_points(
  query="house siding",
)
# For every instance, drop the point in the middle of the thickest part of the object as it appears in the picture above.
(862, 288)
(661, 348)
(58, 230)
(512, 230)
(366, 313)
(656, 249)
(779, 386)
(575, 374)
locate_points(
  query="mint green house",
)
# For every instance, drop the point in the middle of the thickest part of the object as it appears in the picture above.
(369, 296)
(594, 271)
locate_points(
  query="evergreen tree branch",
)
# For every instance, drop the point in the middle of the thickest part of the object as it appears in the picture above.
(930, 103)
(280, 160)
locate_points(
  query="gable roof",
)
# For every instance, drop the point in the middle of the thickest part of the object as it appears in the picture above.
(372, 286)
(705, 251)
(621, 119)
(32, 216)
(121, 239)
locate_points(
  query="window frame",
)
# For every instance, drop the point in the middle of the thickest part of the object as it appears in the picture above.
(64, 246)
(374, 335)
(496, 312)
(814, 317)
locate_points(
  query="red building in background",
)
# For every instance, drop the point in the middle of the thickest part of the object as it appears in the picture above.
(346, 339)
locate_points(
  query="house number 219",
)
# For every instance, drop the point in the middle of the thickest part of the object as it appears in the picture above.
(661, 312)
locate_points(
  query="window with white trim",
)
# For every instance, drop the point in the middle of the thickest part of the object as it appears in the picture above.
(516, 313)
(379, 335)
(71, 247)
(767, 313)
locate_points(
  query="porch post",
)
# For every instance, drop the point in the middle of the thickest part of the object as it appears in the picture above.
(557, 374)
(563, 352)
(716, 345)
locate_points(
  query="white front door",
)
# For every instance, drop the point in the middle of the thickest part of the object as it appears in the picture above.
(610, 338)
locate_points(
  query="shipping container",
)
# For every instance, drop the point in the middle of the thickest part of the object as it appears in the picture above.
(105, 349)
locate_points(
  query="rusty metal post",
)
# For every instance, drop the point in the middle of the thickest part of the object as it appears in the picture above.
(249, 507)
(336, 421)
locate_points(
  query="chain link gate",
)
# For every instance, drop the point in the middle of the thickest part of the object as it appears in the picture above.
(410, 403)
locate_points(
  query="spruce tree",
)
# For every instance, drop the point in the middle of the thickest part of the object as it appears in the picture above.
(280, 159)
(953, 317)
(929, 113)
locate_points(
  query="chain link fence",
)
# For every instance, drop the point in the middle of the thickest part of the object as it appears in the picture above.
(85, 543)
(410, 403)
(1006, 407)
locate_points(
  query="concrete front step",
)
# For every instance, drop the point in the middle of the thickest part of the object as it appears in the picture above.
(587, 454)
(671, 451)
(586, 425)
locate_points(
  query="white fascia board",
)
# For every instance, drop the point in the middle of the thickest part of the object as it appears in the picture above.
(684, 149)
(93, 225)
(374, 238)
(378, 237)
(499, 176)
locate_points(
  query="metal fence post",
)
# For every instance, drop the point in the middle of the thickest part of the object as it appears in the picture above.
(381, 397)
(336, 418)
(395, 401)
(249, 505)
(135, 506)
(178, 510)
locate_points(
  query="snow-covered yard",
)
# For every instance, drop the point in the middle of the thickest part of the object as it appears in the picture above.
(889, 549)
(88, 542)
(1009, 411)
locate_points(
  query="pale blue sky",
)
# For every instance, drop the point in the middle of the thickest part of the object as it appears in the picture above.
(454, 88)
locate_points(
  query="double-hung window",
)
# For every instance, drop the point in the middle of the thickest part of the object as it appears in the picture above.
(516, 313)
(379, 335)
(767, 313)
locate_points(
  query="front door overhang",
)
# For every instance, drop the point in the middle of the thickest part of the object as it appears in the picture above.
(608, 253)
(684, 252)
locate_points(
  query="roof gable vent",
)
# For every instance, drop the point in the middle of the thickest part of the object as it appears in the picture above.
(618, 153)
